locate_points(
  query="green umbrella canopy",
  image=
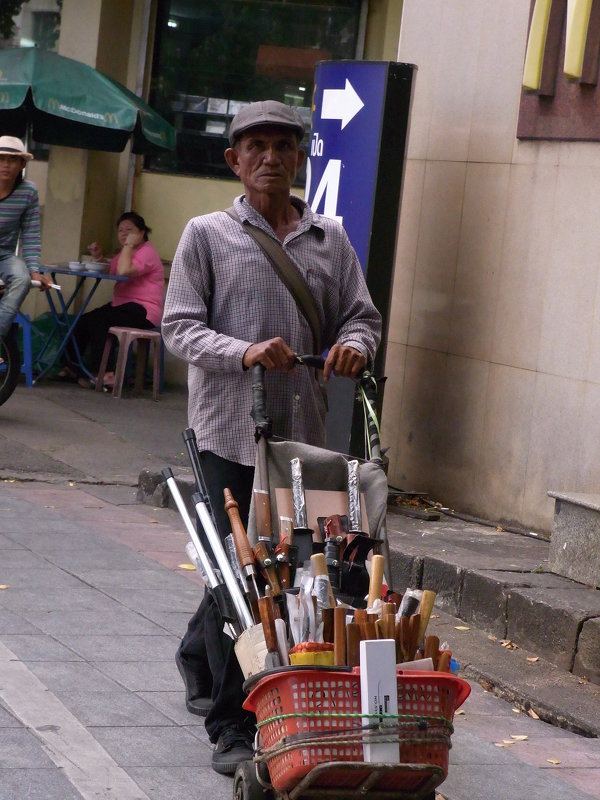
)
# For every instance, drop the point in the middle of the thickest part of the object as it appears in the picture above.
(66, 102)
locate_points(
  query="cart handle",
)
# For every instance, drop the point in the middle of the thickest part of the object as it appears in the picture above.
(366, 381)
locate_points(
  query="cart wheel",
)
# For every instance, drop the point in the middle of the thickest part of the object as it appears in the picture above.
(246, 785)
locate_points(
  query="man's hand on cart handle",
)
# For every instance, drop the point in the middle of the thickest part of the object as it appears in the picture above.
(344, 361)
(272, 354)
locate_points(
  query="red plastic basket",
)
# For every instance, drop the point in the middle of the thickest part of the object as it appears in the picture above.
(312, 717)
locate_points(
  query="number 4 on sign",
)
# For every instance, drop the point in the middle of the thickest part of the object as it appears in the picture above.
(328, 188)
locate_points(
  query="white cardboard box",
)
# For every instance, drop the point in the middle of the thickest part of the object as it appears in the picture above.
(379, 695)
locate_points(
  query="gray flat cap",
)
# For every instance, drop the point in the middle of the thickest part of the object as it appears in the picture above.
(266, 112)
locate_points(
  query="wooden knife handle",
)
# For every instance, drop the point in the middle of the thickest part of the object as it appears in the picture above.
(282, 556)
(414, 622)
(388, 625)
(353, 644)
(444, 661)
(328, 624)
(265, 607)
(266, 562)
(339, 637)
(432, 649)
(360, 615)
(242, 545)
(404, 638)
(368, 630)
(425, 609)
(375, 580)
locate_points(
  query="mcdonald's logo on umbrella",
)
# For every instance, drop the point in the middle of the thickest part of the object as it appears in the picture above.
(65, 102)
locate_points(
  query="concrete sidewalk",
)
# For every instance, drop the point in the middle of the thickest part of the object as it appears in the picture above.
(91, 704)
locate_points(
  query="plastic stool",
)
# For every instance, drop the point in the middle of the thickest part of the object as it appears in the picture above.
(125, 337)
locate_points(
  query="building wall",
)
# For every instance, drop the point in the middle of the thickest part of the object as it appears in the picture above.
(493, 395)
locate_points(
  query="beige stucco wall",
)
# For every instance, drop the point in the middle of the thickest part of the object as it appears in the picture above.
(494, 356)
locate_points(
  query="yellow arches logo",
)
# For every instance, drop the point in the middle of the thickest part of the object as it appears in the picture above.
(4, 98)
(111, 118)
(578, 18)
(53, 104)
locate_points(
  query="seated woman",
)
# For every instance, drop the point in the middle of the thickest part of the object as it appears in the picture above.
(136, 303)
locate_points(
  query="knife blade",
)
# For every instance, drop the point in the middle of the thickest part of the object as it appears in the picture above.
(303, 535)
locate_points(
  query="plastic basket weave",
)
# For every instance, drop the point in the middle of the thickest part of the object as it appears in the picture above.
(312, 717)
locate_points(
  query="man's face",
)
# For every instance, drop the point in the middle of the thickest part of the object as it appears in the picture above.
(266, 159)
(10, 166)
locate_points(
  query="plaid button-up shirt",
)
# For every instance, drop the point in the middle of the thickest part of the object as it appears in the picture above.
(224, 295)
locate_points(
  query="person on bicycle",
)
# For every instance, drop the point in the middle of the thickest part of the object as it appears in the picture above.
(19, 217)
(227, 310)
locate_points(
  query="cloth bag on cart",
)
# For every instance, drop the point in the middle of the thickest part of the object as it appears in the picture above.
(325, 470)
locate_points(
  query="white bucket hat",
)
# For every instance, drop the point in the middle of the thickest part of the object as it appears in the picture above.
(12, 146)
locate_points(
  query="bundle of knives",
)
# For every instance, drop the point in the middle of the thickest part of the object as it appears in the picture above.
(315, 592)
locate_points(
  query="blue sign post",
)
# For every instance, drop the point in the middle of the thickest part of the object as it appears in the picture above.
(354, 174)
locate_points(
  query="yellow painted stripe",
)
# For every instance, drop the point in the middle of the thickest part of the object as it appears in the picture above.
(536, 44)
(578, 18)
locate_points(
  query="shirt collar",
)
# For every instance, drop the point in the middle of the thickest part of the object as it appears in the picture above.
(308, 218)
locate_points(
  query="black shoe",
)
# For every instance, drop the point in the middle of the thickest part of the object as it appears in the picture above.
(234, 745)
(196, 699)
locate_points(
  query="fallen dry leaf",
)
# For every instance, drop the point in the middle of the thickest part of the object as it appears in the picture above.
(486, 685)
(508, 644)
(492, 638)
(583, 681)
(532, 714)
(499, 528)
(434, 616)
(499, 744)
(518, 737)
(462, 628)
(153, 522)
(516, 710)
(459, 713)
(507, 741)
(3, 586)
(186, 566)
(533, 659)
(553, 761)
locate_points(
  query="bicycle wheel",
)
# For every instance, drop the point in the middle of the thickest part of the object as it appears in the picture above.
(10, 364)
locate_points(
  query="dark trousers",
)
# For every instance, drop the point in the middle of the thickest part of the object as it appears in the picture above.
(93, 327)
(205, 647)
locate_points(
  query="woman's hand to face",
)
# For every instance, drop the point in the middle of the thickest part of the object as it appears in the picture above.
(134, 238)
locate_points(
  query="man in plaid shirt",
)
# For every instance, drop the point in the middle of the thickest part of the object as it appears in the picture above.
(227, 310)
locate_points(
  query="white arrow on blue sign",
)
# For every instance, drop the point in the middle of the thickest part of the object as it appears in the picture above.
(343, 104)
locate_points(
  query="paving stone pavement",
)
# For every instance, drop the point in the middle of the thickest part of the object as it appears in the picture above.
(91, 703)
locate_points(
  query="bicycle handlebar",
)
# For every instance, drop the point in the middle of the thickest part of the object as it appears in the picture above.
(263, 425)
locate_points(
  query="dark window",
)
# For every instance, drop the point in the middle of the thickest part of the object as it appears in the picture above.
(212, 56)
